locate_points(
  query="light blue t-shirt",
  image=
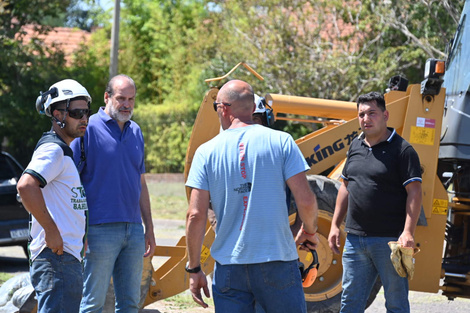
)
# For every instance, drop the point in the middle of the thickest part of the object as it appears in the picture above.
(245, 169)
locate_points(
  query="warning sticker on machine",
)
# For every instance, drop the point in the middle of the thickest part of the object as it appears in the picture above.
(205, 252)
(422, 135)
(425, 122)
(439, 206)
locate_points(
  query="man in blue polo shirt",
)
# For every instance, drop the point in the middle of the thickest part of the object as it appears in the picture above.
(112, 153)
(381, 196)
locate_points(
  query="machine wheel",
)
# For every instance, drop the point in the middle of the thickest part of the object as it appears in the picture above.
(324, 295)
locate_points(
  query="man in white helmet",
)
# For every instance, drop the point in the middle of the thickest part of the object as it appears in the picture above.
(51, 191)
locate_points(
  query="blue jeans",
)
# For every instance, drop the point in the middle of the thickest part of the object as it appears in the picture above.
(274, 286)
(117, 250)
(363, 259)
(57, 280)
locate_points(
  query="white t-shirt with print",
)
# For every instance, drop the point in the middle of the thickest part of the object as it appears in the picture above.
(64, 196)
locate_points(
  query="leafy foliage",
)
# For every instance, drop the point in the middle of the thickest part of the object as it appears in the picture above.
(24, 70)
(29, 67)
(166, 133)
(160, 37)
(329, 49)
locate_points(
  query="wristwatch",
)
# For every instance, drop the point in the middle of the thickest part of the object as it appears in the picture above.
(197, 269)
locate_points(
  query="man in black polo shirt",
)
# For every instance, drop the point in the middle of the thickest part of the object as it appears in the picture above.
(380, 196)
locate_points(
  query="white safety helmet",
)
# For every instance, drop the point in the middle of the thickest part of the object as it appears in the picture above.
(65, 90)
(260, 104)
(265, 110)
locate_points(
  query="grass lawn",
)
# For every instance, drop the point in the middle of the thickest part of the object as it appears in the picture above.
(168, 200)
(4, 277)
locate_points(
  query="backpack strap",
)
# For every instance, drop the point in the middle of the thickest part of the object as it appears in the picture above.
(82, 162)
(50, 136)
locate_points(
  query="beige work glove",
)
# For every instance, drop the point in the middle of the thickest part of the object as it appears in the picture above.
(403, 259)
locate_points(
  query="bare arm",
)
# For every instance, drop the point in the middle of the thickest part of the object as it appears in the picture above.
(308, 210)
(196, 220)
(413, 208)
(341, 209)
(33, 201)
(146, 213)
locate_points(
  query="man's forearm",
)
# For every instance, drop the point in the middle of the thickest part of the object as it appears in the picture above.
(145, 208)
(341, 206)
(196, 220)
(413, 206)
(308, 212)
(194, 239)
(33, 201)
(305, 200)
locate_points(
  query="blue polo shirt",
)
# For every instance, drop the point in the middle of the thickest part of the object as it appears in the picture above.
(114, 164)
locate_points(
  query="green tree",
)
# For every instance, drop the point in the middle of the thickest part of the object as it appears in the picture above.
(334, 49)
(83, 14)
(162, 55)
(24, 70)
(329, 49)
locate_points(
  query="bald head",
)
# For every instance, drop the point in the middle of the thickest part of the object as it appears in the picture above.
(118, 79)
(240, 95)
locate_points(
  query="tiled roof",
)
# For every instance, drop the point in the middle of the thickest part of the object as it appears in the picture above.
(66, 39)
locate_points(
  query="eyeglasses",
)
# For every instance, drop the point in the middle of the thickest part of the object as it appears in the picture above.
(77, 113)
(217, 103)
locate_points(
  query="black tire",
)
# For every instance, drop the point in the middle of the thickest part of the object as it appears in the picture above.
(326, 190)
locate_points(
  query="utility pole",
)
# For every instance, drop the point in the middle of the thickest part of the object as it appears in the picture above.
(113, 66)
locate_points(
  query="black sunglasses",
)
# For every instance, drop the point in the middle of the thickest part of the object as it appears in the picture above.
(77, 113)
(217, 103)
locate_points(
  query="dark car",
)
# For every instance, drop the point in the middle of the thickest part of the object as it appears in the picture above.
(14, 219)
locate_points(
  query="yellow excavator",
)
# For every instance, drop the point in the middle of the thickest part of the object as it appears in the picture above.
(432, 116)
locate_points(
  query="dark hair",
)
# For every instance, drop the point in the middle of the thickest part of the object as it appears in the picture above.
(372, 96)
(109, 87)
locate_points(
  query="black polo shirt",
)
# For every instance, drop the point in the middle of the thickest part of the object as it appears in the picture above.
(377, 177)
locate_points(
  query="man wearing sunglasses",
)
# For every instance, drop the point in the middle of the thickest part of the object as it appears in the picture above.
(51, 191)
(243, 173)
(118, 201)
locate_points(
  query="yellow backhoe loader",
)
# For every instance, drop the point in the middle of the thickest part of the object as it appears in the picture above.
(433, 122)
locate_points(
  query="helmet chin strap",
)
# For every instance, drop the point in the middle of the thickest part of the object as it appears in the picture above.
(62, 124)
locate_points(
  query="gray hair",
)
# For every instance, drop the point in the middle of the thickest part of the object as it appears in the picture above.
(109, 87)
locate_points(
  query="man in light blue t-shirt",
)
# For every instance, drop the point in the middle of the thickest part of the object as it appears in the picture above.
(243, 173)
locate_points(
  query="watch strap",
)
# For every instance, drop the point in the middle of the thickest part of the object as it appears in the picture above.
(197, 269)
